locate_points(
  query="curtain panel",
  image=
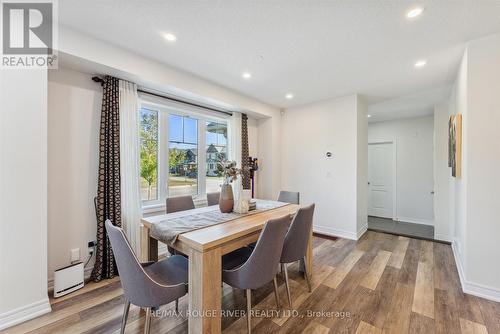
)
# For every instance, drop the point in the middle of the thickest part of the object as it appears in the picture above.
(129, 166)
(244, 152)
(108, 186)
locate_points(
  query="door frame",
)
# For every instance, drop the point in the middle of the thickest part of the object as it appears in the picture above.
(394, 173)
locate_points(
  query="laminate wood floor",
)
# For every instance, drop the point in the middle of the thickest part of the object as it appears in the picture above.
(380, 284)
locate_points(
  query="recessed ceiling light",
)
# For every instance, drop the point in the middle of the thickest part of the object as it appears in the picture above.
(368, 116)
(246, 75)
(420, 63)
(412, 13)
(170, 37)
(289, 96)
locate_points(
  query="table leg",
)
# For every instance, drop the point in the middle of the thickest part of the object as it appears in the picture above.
(153, 250)
(308, 263)
(205, 291)
(309, 256)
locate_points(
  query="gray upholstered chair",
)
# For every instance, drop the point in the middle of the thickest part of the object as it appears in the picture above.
(250, 269)
(175, 204)
(295, 245)
(181, 203)
(285, 197)
(289, 197)
(213, 198)
(146, 285)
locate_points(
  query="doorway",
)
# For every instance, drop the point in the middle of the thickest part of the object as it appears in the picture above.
(383, 194)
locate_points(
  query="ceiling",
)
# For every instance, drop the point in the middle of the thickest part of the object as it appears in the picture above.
(313, 49)
(411, 105)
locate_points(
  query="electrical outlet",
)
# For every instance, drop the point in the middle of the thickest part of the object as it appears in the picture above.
(75, 255)
(91, 247)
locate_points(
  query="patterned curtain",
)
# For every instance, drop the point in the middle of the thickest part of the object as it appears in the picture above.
(108, 187)
(244, 152)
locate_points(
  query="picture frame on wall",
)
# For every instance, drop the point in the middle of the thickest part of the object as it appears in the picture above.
(455, 145)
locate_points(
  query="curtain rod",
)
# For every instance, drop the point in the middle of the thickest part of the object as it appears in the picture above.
(101, 81)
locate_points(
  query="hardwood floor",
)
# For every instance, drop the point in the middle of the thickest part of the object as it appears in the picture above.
(380, 284)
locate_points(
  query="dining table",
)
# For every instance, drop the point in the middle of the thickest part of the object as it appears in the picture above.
(205, 246)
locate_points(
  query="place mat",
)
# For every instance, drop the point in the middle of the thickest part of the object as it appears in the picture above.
(167, 230)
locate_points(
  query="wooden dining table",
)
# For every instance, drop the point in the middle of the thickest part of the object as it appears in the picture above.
(205, 248)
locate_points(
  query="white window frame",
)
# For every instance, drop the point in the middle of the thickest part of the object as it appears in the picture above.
(164, 109)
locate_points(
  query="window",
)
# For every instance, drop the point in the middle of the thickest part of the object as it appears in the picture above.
(180, 152)
(149, 154)
(216, 150)
(182, 156)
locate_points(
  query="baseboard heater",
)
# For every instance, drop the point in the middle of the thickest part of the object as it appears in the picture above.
(68, 279)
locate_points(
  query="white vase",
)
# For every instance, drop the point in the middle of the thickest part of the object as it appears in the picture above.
(240, 202)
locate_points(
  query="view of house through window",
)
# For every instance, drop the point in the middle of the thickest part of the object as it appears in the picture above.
(149, 154)
(216, 150)
(180, 153)
(182, 156)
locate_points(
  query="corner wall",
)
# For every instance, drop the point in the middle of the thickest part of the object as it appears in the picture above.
(23, 195)
(308, 132)
(474, 197)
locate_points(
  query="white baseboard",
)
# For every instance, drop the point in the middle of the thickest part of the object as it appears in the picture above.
(362, 231)
(443, 237)
(333, 232)
(415, 221)
(472, 288)
(24, 313)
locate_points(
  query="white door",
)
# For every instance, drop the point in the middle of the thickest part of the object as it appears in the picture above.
(380, 180)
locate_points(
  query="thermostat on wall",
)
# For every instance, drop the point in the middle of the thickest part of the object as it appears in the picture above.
(68, 279)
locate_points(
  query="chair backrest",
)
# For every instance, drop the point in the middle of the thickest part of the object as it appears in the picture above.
(289, 197)
(213, 198)
(138, 287)
(180, 203)
(295, 245)
(262, 265)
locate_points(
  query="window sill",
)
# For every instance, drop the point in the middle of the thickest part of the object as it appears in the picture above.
(199, 201)
(153, 208)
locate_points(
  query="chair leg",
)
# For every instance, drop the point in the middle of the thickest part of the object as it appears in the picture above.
(306, 274)
(275, 282)
(285, 272)
(147, 324)
(249, 310)
(177, 306)
(125, 316)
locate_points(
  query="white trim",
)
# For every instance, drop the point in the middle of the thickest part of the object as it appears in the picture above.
(362, 231)
(472, 288)
(443, 237)
(334, 232)
(24, 313)
(415, 221)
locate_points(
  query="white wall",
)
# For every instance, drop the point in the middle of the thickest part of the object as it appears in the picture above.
(23, 195)
(414, 159)
(362, 167)
(473, 208)
(444, 228)
(308, 132)
(483, 162)
(458, 186)
(73, 147)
